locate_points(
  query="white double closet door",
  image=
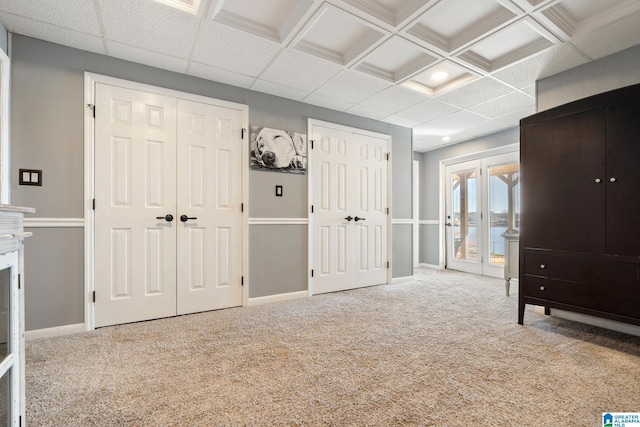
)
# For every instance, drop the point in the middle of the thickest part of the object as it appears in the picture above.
(168, 221)
(350, 218)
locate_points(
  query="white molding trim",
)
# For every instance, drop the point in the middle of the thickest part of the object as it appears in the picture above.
(278, 221)
(510, 148)
(402, 279)
(402, 221)
(278, 298)
(90, 80)
(432, 266)
(54, 222)
(429, 222)
(5, 123)
(54, 332)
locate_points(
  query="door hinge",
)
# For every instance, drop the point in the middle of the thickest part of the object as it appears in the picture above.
(388, 156)
(94, 204)
(387, 211)
(311, 208)
(19, 281)
(242, 281)
(312, 272)
(388, 264)
(241, 207)
(244, 130)
(93, 109)
(94, 296)
(20, 420)
(311, 141)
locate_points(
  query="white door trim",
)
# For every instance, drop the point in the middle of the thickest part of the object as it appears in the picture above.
(90, 80)
(5, 122)
(311, 244)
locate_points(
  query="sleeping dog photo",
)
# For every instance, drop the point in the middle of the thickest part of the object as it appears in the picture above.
(278, 150)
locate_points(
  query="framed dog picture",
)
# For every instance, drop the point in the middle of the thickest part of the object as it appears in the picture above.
(278, 150)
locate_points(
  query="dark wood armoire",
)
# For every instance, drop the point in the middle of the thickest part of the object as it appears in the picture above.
(580, 207)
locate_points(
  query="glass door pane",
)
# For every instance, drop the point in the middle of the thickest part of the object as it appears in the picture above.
(465, 215)
(504, 208)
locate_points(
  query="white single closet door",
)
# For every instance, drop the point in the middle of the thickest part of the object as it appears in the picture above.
(210, 193)
(135, 183)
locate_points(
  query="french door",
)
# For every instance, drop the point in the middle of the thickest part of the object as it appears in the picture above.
(482, 199)
(350, 222)
(168, 176)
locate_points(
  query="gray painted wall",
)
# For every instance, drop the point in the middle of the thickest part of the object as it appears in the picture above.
(4, 39)
(47, 133)
(430, 186)
(613, 72)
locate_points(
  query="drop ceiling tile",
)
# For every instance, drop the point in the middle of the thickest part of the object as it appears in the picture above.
(233, 50)
(451, 76)
(545, 64)
(40, 30)
(504, 104)
(450, 125)
(78, 15)
(611, 38)
(367, 112)
(486, 127)
(352, 86)
(276, 20)
(300, 70)
(530, 90)
(338, 36)
(150, 25)
(141, 56)
(570, 18)
(475, 93)
(427, 111)
(393, 99)
(447, 29)
(278, 90)
(513, 118)
(511, 44)
(426, 144)
(327, 102)
(218, 75)
(400, 121)
(395, 59)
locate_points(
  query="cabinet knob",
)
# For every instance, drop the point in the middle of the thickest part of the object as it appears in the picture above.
(598, 180)
(612, 179)
(542, 266)
(542, 288)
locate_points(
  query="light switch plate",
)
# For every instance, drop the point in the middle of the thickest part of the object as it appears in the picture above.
(278, 190)
(31, 177)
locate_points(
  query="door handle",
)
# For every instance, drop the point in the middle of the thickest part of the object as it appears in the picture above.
(448, 224)
(349, 218)
(185, 218)
(167, 217)
(356, 219)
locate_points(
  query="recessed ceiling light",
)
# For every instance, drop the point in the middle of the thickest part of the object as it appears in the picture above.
(439, 76)
(446, 139)
(190, 6)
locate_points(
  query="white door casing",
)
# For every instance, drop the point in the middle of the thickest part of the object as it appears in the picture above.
(135, 170)
(349, 180)
(209, 190)
(197, 168)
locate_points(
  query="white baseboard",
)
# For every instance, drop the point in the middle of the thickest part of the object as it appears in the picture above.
(433, 266)
(54, 332)
(278, 297)
(402, 279)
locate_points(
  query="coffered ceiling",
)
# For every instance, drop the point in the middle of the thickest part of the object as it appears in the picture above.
(452, 70)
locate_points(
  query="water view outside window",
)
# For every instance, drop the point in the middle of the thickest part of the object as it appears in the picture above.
(465, 241)
(504, 207)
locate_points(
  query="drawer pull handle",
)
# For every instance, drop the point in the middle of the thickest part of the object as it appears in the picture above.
(542, 288)
(542, 266)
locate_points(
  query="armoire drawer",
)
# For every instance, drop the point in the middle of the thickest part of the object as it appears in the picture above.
(577, 270)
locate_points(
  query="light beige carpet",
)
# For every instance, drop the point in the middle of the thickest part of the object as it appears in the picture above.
(443, 350)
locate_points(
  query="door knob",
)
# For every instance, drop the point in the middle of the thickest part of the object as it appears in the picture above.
(349, 218)
(167, 217)
(356, 219)
(612, 179)
(185, 218)
(448, 224)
